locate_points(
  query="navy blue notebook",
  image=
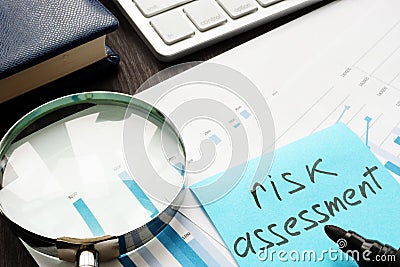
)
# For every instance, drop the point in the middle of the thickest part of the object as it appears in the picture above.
(41, 41)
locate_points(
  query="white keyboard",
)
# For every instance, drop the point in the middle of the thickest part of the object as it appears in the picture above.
(174, 28)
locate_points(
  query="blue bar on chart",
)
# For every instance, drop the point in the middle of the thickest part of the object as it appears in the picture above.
(89, 218)
(138, 193)
(245, 114)
(198, 251)
(397, 140)
(148, 257)
(215, 139)
(202, 245)
(126, 261)
(181, 251)
(392, 167)
(180, 168)
(236, 125)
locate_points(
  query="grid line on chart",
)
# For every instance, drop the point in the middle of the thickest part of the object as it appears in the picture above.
(377, 42)
(381, 60)
(376, 78)
(305, 113)
(372, 124)
(330, 114)
(385, 60)
(355, 114)
(397, 76)
(386, 138)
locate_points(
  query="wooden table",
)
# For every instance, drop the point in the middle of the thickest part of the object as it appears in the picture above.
(136, 66)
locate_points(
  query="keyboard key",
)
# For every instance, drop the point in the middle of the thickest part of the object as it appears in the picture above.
(204, 15)
(172, 27)
(238, 8)
(265, 3)
(150, 8)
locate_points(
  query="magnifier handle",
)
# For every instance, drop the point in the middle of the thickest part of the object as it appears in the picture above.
(87, 252)
(87, 258)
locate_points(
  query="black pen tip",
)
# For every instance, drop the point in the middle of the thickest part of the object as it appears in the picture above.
(334, 232)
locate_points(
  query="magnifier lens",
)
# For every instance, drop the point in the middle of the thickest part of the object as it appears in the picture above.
(65, 171)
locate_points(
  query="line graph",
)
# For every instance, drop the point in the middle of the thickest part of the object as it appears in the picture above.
(346, 108)
(368, 120)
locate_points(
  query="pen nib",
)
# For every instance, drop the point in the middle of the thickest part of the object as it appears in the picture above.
(334, 232)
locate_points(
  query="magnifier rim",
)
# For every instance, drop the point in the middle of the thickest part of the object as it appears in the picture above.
(49, 245)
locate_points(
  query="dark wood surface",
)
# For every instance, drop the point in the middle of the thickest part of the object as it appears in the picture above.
(136, 66)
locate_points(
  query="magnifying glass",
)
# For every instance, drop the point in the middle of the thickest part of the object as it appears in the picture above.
(69, 189)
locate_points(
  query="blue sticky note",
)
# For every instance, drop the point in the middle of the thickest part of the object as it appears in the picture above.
(330, 177)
